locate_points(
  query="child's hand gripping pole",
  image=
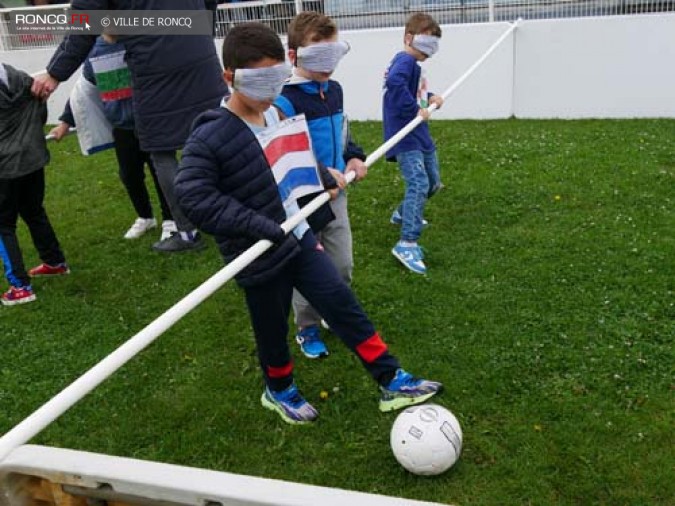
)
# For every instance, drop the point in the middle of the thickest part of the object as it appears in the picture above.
(61, 402)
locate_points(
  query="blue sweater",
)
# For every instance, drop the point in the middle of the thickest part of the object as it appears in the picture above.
(400, 106)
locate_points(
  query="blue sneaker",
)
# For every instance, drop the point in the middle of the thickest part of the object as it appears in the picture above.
(411, 257)
(406, 390)
(310, 342)
(397, 219)
(290, 405)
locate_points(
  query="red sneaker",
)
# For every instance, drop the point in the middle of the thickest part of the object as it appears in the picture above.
(17, 295)
(49, 270)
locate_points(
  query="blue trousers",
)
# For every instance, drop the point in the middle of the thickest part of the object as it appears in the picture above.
(422, 179)
(313, 274)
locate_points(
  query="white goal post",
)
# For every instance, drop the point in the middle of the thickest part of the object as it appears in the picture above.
(48, 476)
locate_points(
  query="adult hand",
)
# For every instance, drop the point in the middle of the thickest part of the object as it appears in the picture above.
(43, 86)
(59, 131)
(358, 167)
(424, 113)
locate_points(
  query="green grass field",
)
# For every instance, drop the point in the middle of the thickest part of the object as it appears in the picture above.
(548, 312)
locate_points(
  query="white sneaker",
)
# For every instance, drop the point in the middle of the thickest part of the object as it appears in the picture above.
(140, 227)
(168, 228)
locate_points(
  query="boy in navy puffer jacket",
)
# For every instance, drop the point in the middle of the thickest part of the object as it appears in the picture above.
(226, 187)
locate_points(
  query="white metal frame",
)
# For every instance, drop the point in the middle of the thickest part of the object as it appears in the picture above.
(61, 472)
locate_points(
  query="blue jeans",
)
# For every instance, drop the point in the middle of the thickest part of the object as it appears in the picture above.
(422, 179)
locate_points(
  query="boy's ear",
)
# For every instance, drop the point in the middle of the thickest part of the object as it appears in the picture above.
(293, 56)
(228, 75)
(408, 38)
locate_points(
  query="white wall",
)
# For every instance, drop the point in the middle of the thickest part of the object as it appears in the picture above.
(610, 67)
(486, 94)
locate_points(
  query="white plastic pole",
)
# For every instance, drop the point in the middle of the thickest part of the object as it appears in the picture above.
(50, 137)
(64, 400)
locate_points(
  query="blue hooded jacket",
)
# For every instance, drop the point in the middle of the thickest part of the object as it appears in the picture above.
(322, 104)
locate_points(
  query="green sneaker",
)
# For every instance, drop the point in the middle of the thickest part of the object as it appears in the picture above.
(406, 390)
(290, 405)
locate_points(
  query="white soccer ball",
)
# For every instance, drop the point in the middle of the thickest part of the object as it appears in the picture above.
(426, 439)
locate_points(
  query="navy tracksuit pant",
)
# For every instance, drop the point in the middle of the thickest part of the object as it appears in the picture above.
(23, 196)
(313, 274)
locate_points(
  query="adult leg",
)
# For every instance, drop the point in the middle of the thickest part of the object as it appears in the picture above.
(187, 238)
(164, 206)
(166, 166)
(131, 161)
(10, 252)
(30, 191)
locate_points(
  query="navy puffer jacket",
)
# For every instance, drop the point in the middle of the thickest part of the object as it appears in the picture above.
(175, 77)
(226, 188)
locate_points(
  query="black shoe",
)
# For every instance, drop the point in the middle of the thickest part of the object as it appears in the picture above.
(176, 244)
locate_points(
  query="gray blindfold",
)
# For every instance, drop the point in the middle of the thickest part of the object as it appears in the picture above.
(263, 83)
(322, 57)
(427, 44)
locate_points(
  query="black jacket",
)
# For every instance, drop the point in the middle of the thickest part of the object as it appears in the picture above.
(226, 188)
(175, 77)
(23, 148)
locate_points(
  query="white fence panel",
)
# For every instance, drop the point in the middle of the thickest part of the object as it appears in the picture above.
(368, 14)
(619, 67)
(574, 68)
(362, 71)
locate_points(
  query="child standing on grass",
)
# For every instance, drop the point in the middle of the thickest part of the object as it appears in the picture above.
(405, 96)
(315, 51)
(105, 68)
(23, 156)
(226, 186)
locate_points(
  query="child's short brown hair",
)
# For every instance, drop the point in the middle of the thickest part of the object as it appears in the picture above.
(421, 22)
(310, 25)
(249, 43)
